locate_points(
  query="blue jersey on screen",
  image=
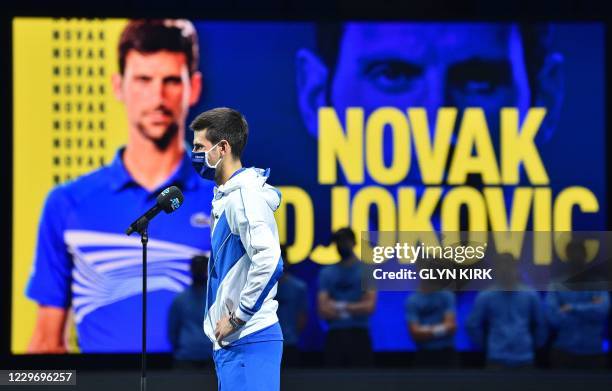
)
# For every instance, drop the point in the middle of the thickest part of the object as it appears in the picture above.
(344, 283)
(85, 261)
(428, 309)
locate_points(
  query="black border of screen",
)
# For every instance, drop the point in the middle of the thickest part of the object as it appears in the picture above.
(245, 10)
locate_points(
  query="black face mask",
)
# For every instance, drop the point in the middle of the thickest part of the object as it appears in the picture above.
(345, 252)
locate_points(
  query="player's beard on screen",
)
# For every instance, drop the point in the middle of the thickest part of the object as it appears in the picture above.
(161, 141)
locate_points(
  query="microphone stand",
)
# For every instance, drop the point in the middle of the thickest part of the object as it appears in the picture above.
(168, 200)
(142, 226)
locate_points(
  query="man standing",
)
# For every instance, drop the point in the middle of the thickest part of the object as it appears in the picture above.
(246, 262)
(83, 258)
(431, 319)
(190, 346)
(508, 321)
(292, 297)
(578, 318)
(346, 304)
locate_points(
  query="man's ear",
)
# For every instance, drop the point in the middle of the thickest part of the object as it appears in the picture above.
(311, 77)
(225, 147)
(550, 92)
(196, 88)
(116, 81)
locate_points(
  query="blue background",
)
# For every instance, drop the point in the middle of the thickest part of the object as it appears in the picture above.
(250, 66)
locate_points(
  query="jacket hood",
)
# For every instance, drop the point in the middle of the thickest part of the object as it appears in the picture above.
(253, 179)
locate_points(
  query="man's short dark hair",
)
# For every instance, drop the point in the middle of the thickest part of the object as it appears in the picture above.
(223, 123)
(155, 35)
(344, 234)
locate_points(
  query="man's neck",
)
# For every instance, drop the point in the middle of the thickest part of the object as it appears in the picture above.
(229, 168)
(348, 261)
(149, 166)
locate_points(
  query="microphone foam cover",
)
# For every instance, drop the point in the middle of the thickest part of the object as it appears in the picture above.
(170, 199)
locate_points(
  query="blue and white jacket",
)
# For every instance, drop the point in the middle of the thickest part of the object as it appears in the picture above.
(245, 262)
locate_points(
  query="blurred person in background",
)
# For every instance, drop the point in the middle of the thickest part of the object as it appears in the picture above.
(191, 348)
(292, 297)
(430, 315)
(508, 320)
(610, 329)
(83, 260)
(578, 319)
(610, 333)
(346, 305)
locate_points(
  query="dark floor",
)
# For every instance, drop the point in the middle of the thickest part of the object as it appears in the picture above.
(353, 380)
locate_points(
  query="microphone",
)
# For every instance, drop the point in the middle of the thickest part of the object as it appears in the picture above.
(168, 200)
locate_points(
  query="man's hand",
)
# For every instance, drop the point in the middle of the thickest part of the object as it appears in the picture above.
(327, 309)
(223, 329)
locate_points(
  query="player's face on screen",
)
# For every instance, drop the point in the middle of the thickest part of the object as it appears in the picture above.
(430, 65)
(157, 91)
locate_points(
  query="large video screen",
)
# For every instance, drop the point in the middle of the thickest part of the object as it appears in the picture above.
(389, 126)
